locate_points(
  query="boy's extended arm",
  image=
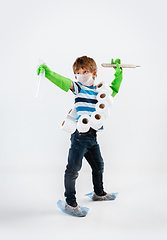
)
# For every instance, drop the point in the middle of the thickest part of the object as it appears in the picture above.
(62, 82)
(115, 85)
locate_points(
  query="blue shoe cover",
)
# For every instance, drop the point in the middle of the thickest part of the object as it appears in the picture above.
(73, 211)
(107, 197)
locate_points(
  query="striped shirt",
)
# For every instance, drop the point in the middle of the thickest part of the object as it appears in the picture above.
(85, 99)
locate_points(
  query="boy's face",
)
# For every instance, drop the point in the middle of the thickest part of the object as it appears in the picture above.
(83, 71)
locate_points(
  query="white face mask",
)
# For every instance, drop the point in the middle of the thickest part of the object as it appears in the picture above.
(85, 79)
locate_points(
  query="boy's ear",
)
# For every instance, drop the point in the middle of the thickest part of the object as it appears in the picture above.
(94, 74)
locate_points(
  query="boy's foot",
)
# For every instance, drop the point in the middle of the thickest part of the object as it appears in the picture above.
(104, 197)
(73, 210)
(77, 211)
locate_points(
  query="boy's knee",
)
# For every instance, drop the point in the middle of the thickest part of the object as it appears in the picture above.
(71, 172)
(98, 171)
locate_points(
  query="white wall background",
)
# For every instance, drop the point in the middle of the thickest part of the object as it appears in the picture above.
(33, 149)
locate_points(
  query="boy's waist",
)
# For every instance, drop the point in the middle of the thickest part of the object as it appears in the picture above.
(91, 130)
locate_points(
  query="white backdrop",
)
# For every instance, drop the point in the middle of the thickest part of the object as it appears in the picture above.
(33, 149)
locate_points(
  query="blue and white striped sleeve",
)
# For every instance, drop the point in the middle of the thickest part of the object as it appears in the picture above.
(77, 88)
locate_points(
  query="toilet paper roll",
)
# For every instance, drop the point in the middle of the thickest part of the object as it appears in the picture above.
(103, 107)
(84, 123)
(105, 96)
(69, 125)
(97, 120)
(103, 86)
(73, 113)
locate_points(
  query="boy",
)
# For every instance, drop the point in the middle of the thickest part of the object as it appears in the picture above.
(83, 144)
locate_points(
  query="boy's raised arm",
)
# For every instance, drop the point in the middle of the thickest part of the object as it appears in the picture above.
(62, 82)
(115, 84)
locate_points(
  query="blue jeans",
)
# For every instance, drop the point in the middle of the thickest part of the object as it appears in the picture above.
(83, 145)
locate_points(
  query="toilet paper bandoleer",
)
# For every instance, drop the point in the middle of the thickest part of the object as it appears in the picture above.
(91, 108)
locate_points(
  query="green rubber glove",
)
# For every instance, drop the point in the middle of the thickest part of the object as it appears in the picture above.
(60, 81)
(115, 85)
